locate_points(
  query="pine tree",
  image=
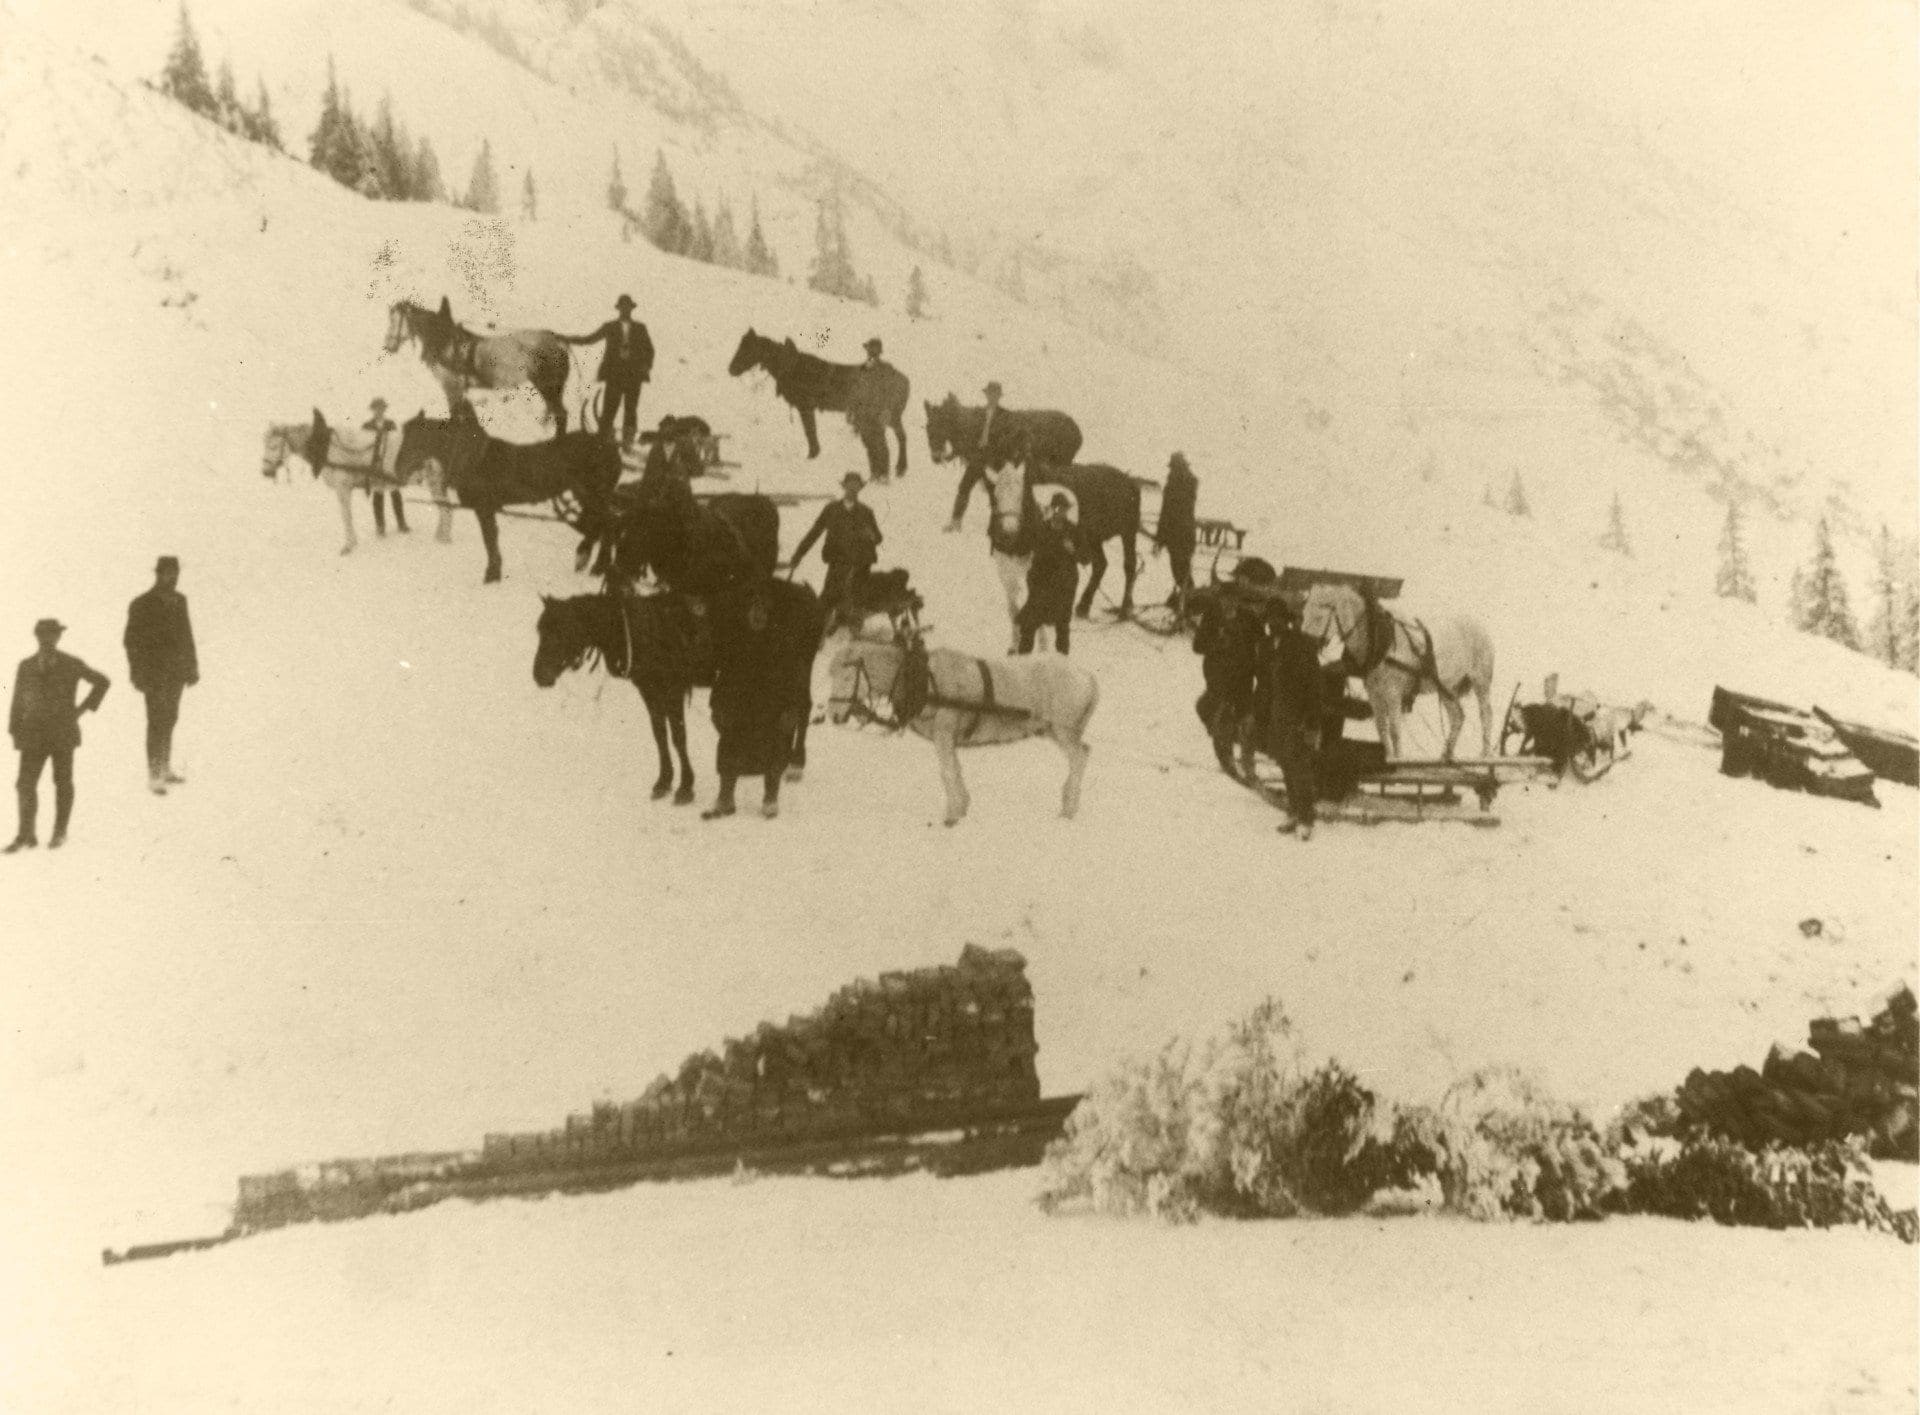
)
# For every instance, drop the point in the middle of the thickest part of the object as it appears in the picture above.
(916, 295)
(833, 272)
(700, 235)
(185, 77)
(483, 189)
(388, 151)
(665, 219)
(334, 147)
(760, 259)
(261, 125)
(425, 182)
(1733, 580)
(226, 102)
(726, 242)
(529, 201)
(616, 187)
(1615, 538)
(1517, 499)
(1907, 630)
(1883, 627)
(1820, 598)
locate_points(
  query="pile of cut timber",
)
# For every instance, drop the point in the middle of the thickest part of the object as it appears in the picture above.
(1856, 1079)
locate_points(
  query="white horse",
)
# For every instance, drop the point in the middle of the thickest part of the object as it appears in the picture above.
(1398, 660)
(956, 700)
(346, 464)
(1013, 503)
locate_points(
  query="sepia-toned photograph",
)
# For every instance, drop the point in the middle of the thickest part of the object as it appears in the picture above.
(993, 706)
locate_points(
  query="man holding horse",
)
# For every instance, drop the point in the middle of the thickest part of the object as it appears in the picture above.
(852, 544)
(976, 457)
(1052, 578)
(45, 725)
(625, 364)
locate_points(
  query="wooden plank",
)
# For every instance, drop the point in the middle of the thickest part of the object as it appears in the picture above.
(1297, 578)
(1383, 810)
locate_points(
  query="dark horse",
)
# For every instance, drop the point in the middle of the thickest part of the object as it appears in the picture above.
(873, 399)
(460, 359)
(653, 641)
(487, 474)
(765, 637)
(1108, 503)
(699, 546)
(953, 430)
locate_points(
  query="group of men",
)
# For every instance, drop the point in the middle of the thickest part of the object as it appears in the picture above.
(44, 718)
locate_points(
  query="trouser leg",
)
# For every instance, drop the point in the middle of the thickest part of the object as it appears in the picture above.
(62, 790)
(379, 513)
(626, 397)
(1298, 748)
(163, 711)
(27, 789)
(1062, 630)
(975, 473)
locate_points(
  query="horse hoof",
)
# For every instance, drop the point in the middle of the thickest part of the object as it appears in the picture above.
(770, 809)
(660, 791)
(683, 798)
(714, 813)
(1083, 612)
(951, 821)
(796, 774)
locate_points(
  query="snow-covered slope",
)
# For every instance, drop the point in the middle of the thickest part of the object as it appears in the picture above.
(406, 897)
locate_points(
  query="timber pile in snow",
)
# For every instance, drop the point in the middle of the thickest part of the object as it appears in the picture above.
(946, 1048)
(1857, 1079)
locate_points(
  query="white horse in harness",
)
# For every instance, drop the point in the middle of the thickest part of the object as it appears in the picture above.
(1398, 660)
(347, 461)
(956, 700)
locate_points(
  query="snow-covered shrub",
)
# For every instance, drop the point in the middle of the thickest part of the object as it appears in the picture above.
(1824, 1185)
(1127, 1147)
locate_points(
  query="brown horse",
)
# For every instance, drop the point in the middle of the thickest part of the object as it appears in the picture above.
(461, 360)
(873, 399)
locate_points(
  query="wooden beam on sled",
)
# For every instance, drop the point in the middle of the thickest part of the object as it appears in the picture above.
(1296, 578)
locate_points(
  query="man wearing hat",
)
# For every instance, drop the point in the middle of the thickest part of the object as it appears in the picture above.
(1053, 577)
(45, 726)
(866, 413)
(626, 363)
(1174, 533)
(976, 469)
(162, 664)
(1291, 704)
(853, 544)
(386, 452)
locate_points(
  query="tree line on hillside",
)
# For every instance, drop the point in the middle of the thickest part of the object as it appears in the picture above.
(1819, 602)
(184, 79)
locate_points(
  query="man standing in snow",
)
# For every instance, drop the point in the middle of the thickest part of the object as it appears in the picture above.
(976, 469)
(1052, 578)
(1290, 711)
(1174, 532)
(626, 363)
(45, 726)
(867, 412)
(853, 544)
(162, 664)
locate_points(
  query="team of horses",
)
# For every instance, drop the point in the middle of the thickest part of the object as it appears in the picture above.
(691, 595)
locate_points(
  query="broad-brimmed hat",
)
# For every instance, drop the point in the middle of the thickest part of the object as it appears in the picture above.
(625, 302)
(1178, 459)
(49, 628)
(166, 563)
(379, 405)
(992, 390)
(873, 346)
(854, 480)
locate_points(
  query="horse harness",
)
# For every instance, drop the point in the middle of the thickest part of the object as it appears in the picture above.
(913, 694)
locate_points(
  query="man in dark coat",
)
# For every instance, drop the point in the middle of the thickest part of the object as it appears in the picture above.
(764, 640)
(625, 364)
(976, 456)
(45, 725)
(852, 544)
(1290, 712)
(162, 664)
(1053, 578)
(868, 416)
(1174, 533)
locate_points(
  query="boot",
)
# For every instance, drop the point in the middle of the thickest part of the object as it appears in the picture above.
(23, 842)
(723, 804)
(157, 782)
(59, 839)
